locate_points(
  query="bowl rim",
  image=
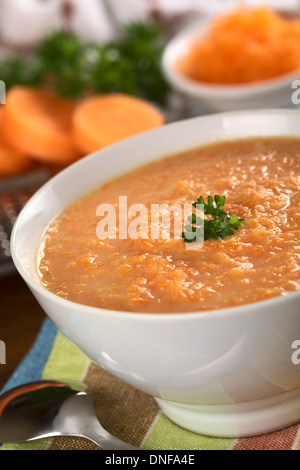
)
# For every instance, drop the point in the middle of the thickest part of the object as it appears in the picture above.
(199, 88)
(206, 315)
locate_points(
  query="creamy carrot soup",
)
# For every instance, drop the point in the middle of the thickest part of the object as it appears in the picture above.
(261, 181)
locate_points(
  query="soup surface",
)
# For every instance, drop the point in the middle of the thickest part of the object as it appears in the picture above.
(261, 181)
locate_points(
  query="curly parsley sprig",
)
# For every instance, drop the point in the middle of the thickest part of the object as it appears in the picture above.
(219, 225)
(66, 64)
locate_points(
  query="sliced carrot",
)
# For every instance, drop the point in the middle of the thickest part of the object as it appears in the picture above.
(102, 120)
(11, 161)
(37, 123)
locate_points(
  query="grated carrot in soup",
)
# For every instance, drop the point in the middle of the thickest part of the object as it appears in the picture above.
(246, 45)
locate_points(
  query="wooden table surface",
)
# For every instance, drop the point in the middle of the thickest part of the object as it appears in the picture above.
(20, 320)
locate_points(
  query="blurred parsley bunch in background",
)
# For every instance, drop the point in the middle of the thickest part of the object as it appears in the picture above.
(63, 63)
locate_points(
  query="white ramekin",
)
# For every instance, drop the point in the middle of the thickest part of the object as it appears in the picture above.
(272, 93)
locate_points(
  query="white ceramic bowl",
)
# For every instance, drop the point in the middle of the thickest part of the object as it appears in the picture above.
(222, 373)
(271, 93)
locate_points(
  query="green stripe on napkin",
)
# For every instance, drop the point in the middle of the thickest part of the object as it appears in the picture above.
(165, 435)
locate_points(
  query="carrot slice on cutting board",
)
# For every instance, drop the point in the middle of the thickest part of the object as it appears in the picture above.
(11, 161)
(102, 120)
(38, 123)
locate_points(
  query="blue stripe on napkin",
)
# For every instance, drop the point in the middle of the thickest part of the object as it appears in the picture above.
(32, 366)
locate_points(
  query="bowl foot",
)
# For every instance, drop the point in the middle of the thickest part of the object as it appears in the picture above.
(236, 420)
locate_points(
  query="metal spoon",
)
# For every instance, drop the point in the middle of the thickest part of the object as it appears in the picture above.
(48, 408)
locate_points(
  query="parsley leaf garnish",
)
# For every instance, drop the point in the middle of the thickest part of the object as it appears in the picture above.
(219, 225)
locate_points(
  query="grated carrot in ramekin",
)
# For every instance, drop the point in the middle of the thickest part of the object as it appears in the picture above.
(246, 45)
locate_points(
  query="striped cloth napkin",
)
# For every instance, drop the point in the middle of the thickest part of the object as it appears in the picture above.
(129, 414)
